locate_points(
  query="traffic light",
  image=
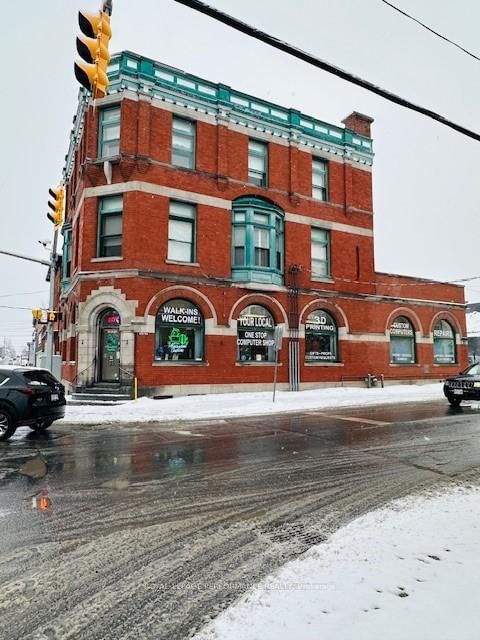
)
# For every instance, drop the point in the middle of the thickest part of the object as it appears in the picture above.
(93, 49)
(56, 205)
(37, 314)
(53, 316)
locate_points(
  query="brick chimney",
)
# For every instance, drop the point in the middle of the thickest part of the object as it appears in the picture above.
(359, 123)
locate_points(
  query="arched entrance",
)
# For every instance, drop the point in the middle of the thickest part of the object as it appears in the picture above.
(109, 346)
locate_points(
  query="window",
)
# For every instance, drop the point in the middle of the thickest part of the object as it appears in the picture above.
(67, 252)
(320, 253)
(257, 163)
(179, 331)
(109, 135)
(402, 341)
(257, 241)
(255, 335)
(110, 226)
(181, 232)
(321, 338)
(183, 143)
(443, 343)
(319, 179)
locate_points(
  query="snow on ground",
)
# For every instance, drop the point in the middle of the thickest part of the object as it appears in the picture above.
(410, 570)
(243, 404)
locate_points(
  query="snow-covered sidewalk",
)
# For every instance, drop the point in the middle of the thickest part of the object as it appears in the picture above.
(410, 570)
(245, 404)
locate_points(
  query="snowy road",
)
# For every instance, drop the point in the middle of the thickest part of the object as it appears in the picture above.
(146, 532)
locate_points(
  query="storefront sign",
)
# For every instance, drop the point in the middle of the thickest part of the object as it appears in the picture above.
(443, 333)
(255, 322)
(255, 339)
(320, 322)
(180, 315)
(401, 328)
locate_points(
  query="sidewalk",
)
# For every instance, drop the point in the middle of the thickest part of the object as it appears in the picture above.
(230, 405)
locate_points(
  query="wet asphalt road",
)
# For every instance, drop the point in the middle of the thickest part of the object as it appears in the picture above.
(147, 531)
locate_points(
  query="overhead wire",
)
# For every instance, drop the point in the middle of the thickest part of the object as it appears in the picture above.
(425, 26)
(276, 43)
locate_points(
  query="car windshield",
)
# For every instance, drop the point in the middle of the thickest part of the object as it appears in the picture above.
(35, 378)
(472, 370)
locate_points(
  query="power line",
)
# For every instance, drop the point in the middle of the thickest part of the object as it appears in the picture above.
(24, 293)
(320, 64)
(407, 15)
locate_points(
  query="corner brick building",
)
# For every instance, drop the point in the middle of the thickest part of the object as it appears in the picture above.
(199, 219)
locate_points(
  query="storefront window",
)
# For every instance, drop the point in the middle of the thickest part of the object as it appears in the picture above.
(255, 335)
(321, 338)
(402, 341)
(179, 331)
(443, 343)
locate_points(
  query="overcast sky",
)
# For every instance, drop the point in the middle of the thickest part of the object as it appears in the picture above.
(426, 177)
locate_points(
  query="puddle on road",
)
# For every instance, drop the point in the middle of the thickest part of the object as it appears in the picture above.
(34, 468)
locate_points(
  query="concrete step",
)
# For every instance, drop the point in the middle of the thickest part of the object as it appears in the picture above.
(77, 402)
(102, 389)
(100, 398)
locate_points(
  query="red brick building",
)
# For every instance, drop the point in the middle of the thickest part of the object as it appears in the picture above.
(200, 218)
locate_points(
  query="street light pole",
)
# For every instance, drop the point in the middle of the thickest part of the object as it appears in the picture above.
(51, 265)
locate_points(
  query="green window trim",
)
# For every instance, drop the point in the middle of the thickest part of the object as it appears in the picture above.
(320, 250)
(109, 132)
(258, 163)
(257, 241)
(110, 226)
(181, 232)
(320, 179)
(183, 143)
(66, 254)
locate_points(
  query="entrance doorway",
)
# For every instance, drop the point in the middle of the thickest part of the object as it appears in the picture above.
(109, 342)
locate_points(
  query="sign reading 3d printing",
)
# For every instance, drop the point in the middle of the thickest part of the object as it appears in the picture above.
(320, 337)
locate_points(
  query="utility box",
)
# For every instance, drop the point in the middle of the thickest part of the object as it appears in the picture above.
(42, 361)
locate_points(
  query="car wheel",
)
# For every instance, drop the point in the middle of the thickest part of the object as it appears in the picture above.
(41, 425)
(455, 402)
(7, 424)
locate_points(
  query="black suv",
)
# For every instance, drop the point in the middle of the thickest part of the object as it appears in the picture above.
(29, 396)
(465, 386)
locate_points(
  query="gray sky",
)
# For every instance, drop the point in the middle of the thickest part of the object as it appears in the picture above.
(426, 176)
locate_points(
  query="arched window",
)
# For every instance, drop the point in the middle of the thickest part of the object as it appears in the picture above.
(255, 335)
(321, 337)
(402, 341)
(257, 241)
(179, 331)
(443, 343)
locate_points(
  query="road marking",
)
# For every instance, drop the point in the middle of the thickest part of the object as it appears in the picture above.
(377, 423)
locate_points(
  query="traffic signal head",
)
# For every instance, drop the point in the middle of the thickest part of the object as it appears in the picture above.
(37, 314)
(91, 72)
(56, 204)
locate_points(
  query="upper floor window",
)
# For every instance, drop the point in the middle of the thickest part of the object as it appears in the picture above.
(67, 251)
(319, 179)
(443, 343)
(110, 212)
(320, 252)
(257, 241)
(181, 232)
(402, 341)
(257, 163)
(183, 143)
(109, 134)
